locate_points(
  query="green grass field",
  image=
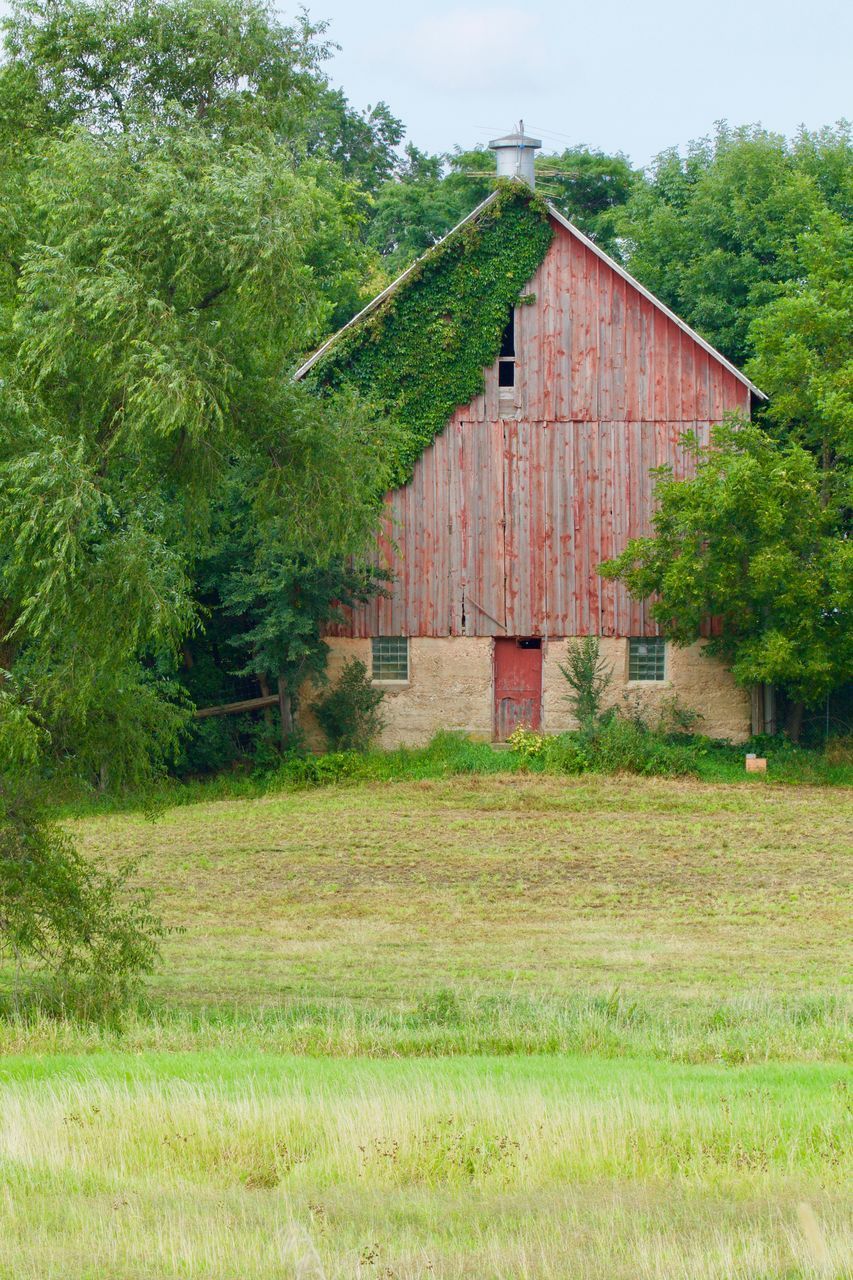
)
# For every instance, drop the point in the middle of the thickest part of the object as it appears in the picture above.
(490, 1026)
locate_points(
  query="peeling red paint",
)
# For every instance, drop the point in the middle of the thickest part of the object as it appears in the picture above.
(511, 510)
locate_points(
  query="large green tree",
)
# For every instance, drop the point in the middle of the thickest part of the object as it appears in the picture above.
(803, 342)
(755, 542)
(169, 245)
(715, 233)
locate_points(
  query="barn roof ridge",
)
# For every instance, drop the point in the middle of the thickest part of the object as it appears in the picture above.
(564, 222)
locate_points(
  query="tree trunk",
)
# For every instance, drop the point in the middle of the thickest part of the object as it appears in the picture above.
(794, 721)
(285, 711)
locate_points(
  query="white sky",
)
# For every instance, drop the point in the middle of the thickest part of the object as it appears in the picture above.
(631, 75)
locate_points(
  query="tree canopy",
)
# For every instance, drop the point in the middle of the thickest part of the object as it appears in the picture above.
(715, 233)
(753, 543)
(175, 233)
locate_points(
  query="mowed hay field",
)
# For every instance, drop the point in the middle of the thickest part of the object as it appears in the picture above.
(483, 1027)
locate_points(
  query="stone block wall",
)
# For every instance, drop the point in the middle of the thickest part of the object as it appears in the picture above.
(698, 683)
(450, 686)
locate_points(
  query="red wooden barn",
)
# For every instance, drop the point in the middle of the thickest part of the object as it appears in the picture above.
(495, 541)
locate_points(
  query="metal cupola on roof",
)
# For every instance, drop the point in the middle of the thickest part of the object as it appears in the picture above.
(515, 155)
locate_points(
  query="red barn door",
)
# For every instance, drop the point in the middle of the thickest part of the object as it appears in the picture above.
(518, 685)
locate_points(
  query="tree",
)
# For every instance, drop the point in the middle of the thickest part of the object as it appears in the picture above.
(430, 194)
(753, 542)
(589, 187)
(273, 596)
(589, 677)
(716, 233)
(162, 269)
(88, 930)
(230, 65)
(804, 354)
(420, 204)
(349, 713)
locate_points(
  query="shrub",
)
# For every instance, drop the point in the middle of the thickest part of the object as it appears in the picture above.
(677, 719)
(589, 679)
(624, 746)
(539, 752)
(839, 750)
(566, 753)
(527, 745)
(348, 714)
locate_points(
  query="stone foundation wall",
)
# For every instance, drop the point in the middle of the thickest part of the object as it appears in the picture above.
(450, 687)
(698, 683)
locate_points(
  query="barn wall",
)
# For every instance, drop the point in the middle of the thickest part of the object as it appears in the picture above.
(450, 687)
(503, 525)
(512, 508)
(592, 348)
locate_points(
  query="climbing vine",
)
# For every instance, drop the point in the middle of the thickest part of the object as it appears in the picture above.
(423, 351)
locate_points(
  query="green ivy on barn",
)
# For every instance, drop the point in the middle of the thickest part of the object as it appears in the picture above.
(423, 351)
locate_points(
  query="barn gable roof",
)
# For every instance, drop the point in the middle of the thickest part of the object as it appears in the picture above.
(563, 222)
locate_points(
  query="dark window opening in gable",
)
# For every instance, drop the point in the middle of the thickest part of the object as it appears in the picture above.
(506, 359)
(508, 339)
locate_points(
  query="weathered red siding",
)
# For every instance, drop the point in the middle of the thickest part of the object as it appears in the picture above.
(513, 507)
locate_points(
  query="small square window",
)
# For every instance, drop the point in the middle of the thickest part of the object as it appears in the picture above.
(647, 658)
(390, 657)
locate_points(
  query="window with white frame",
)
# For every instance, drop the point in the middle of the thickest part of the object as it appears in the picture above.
(647, 658)
(390, 657)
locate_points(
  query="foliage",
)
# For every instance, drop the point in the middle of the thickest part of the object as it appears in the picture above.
(562, 753)
(674, 717)
(171, 239)
(803, 342)
(752, 543)
(349, 712)
(716, 233)
(412, 212)
(589, 188)
(430, 194)
(82, 927)
(361, 144)
(589, 678)
(622, 745)
(230, 64)
(422, 352)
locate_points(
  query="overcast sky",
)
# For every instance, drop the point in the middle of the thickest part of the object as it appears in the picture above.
(630, 75)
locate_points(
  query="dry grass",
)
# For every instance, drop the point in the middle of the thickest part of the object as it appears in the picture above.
(669, 888)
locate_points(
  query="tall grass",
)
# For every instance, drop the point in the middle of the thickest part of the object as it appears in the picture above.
(259, 1167)
(621, 746)
(754, 1028)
